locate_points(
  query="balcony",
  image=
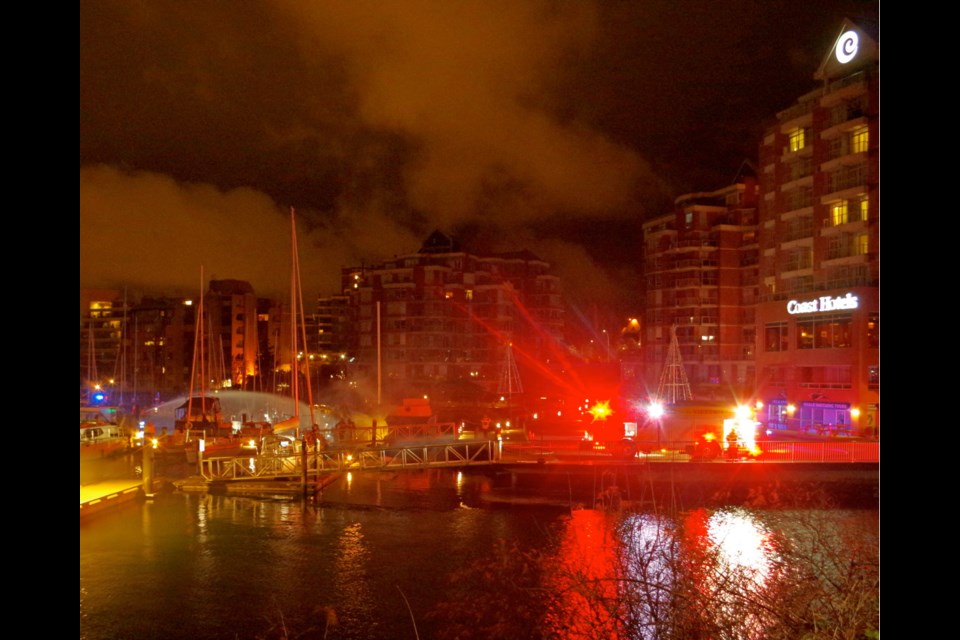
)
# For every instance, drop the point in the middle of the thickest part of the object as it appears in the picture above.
(846, 178)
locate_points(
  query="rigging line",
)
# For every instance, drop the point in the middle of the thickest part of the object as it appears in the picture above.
(198, 330)
(306, 346)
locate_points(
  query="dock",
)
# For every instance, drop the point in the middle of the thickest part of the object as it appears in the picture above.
(102, 496)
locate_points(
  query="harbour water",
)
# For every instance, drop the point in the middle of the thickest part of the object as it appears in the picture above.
(415, 554)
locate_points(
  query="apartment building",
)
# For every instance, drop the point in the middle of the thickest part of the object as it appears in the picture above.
(701, 264)
(143, 349)
(818, 319)
(444, 315)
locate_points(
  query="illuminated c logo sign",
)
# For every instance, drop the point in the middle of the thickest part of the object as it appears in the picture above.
(847, 47)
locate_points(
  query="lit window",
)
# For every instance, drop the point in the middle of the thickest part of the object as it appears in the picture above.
(861, 244)
(864, 208)
(873, 330)
(859, 140)
(839, 213)
(797, 139)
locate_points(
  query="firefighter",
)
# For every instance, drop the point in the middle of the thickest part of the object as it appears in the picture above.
(485, 426)
(732, 444)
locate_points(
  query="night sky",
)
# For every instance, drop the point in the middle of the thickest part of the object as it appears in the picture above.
(546, 125)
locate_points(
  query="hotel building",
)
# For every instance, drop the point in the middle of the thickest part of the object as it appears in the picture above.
(818, 318)
(771, 284)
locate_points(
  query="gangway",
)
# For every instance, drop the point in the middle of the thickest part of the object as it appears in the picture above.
(266, 467)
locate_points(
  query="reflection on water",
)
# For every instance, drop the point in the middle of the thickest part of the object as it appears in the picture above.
(382, 552)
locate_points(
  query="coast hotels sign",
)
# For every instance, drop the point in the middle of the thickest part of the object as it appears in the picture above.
(823, 303)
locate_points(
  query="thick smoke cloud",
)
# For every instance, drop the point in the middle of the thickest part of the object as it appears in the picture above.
(513, 125)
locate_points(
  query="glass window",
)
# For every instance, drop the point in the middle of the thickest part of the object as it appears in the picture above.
(861, 244)
(805, 333)
(797, 139)
(776, 337)
(825, 332)
(873, 330)
(859, 140)
(839, 213)
(864, 207)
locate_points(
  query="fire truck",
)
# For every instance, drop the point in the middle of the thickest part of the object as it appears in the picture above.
(705, 430)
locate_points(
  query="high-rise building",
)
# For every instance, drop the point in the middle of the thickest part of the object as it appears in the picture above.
(771, 285)
(143, 350)
(818, 316)
(444, 315)
(231, 307)
(701, 275)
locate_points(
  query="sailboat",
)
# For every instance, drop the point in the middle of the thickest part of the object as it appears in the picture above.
(200, 411)
(201, 416)
(292, 426)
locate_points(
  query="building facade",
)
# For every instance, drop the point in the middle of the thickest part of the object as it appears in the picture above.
(818, 319)
(444, 315)
(231, 308)
(145, 350)
(701, 264)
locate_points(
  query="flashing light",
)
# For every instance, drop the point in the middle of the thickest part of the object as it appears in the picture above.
(742, 412)
(601, 410)
(855, 412)
(655, 410)
(99, 397)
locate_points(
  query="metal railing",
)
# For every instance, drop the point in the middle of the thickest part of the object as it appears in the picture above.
(267, 466)
(828, 450)
(485, 452)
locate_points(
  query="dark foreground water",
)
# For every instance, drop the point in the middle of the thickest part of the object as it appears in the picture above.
(421, 554)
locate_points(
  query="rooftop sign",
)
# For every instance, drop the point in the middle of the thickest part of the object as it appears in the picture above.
(847, 46)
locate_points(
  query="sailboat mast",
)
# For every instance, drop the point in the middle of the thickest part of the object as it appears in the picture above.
(294, 368)
(197, 347)
(296, 295)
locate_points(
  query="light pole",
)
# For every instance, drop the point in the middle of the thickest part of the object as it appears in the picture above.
(606, 338)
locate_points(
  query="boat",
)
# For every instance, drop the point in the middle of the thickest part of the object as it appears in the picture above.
(103, 432)
(199, 424)
(293, 426)
(414, 422)
(202, 413)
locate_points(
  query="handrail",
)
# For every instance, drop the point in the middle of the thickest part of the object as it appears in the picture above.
(484, 452)
(414, 456)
